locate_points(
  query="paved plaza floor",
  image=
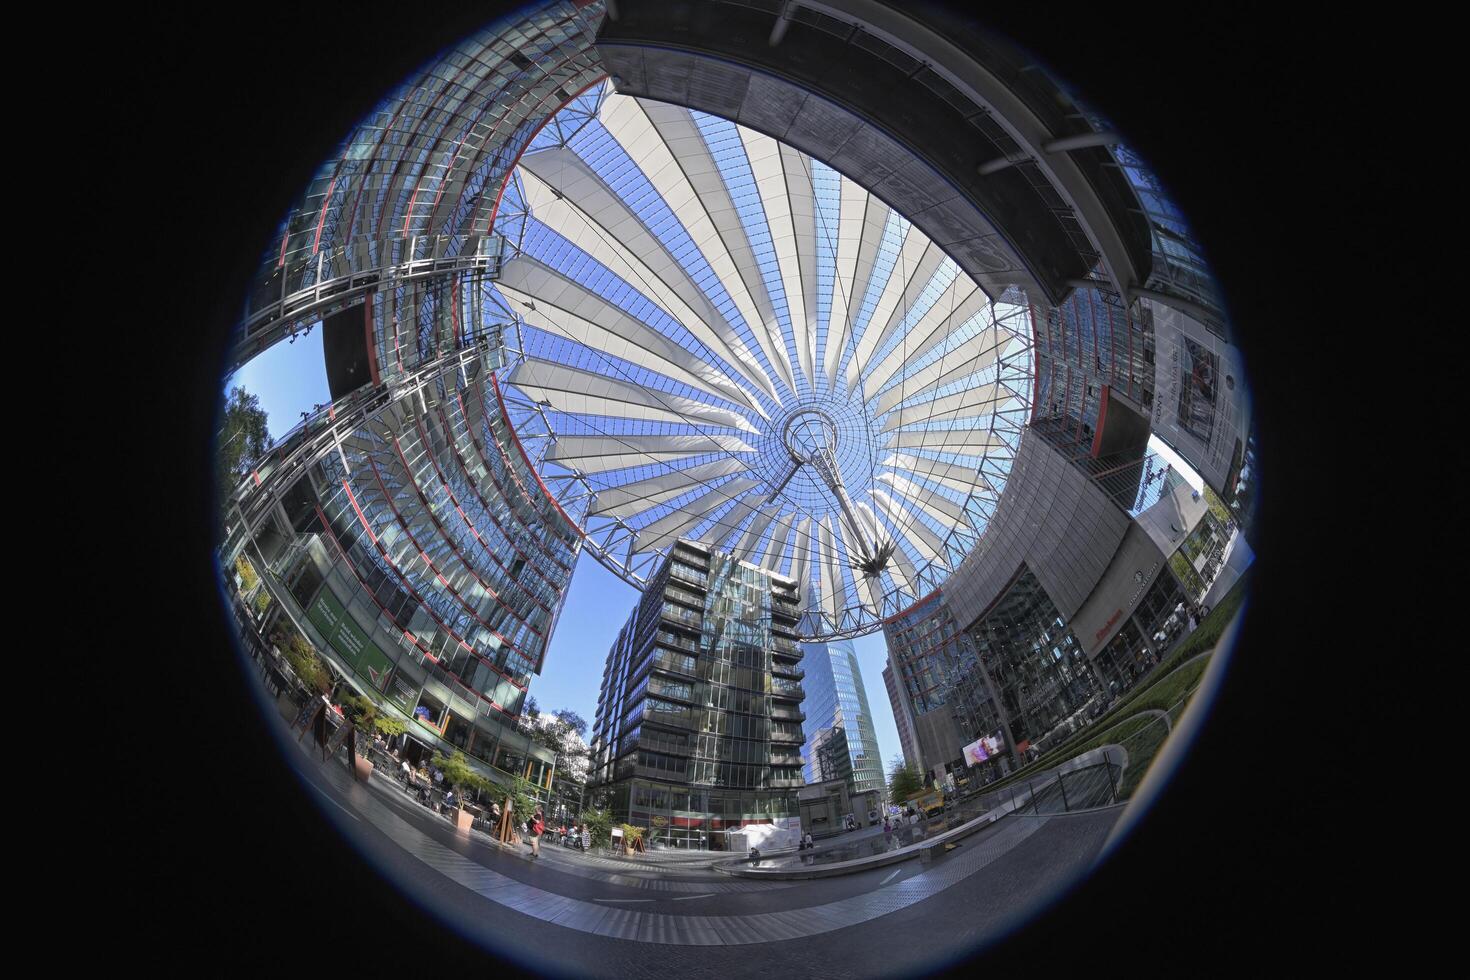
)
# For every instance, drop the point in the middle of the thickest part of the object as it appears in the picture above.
(588, 915)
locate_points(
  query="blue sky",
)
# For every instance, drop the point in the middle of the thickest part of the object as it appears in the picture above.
(291, 378)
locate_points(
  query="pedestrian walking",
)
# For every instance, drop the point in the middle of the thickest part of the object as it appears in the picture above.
(537, 825)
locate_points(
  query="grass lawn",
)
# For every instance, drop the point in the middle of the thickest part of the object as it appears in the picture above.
(1141, 751)
(1168, 690)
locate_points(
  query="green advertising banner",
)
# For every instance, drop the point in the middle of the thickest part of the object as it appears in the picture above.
(348, 639)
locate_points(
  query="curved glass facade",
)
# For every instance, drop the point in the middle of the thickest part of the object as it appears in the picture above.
(404, 533)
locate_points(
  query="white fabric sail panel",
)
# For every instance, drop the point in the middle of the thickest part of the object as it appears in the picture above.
(969, 442)
(801, 566)
(781, 532)
(639, 495)
(801, 193)
(583, 210)
(599, 454)
(924, 540)
(850, 226)
(581, 392)
(764, 155)
(952, 475)
(936, 505)
(833, 588)
(910, 254)
(669, 527)
(869, 592)
(975, 355)
(900, 569)
(912, 302)
(753, 534)
(725, 526)
(959, 304)
(545, 299)
(982, 400)
(629, 124)
(568, 197)
(728, 251)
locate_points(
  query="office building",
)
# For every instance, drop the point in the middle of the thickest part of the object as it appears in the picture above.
(840, 742)
(402, 530)
(698, 727)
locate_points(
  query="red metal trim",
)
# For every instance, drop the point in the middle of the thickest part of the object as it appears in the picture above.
(367, 329)
(495, 383)
(510, 471)
(1102, 418)
(416, 594)
(914, 605)
(474, 573)
(423, 436)
(388, 497)
(495, 210)
(411, 638)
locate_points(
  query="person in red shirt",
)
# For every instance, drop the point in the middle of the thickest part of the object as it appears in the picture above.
(538, 824)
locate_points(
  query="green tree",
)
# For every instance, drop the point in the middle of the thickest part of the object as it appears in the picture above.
(599, 825)
(459, 775)
(903, 780)
(523, 801)
(248, 578)
(243, 440)
(572, 720)
(303, 659)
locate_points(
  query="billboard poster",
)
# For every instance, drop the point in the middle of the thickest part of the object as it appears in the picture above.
(983, 748)
(348, 640)
(1200, 405)
(1198, 370)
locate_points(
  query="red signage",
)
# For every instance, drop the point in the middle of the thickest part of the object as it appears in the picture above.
(1117, 615)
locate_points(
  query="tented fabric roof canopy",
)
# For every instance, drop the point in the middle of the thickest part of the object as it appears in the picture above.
(724, 339)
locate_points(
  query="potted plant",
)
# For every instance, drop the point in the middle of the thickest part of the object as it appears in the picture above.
(460, 777)
(362, 715)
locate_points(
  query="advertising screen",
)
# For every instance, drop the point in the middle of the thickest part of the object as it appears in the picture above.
(981, 749)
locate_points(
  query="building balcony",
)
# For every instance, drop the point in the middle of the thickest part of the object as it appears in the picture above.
(780, 669)
(787, 783)
(792, 738)
(791, 693)
(783, 713)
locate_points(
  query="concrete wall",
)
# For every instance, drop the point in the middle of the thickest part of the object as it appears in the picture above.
(1053, 519)
(939, 740)
(1203, 431)
(1134, 568)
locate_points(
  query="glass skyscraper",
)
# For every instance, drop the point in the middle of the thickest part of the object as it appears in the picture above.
(840, 743)
(698, 723)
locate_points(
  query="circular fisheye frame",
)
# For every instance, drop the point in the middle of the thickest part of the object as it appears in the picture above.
(836, 340)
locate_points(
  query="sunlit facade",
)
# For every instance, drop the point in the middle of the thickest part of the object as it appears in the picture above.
(698, 727)
(840, 741)
(405, 534)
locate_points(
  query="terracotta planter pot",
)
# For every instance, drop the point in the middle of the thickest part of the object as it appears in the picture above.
(463, 819)
(361, 768)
